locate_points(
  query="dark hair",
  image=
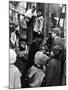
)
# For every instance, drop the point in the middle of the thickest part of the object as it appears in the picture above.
(33, 7)
(57, 51)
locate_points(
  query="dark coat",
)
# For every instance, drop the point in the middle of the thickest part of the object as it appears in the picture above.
(34, 47)
(61, 43)
(53, 73)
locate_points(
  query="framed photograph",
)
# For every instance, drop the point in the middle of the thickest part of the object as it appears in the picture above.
(37, 44)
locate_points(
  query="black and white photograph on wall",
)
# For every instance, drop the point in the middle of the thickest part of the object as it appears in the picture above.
(37, 44)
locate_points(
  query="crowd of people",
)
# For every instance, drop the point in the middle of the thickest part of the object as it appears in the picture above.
(35, 64)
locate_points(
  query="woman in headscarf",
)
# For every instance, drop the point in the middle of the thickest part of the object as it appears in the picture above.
(14, 73)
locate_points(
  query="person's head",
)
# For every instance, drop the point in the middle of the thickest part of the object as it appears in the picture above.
(33, 8)
(40, 58)
(56, 32)
(39, 13)
(53, 34)
(43, 49)
(57, 51)
(22, 45)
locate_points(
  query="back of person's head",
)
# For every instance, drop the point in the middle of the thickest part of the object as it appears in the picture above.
(12, 56)
(57, 51)
(40, 58)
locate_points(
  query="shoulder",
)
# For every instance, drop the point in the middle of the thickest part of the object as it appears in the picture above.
(55, 63)
(59, 42)
(52, 63)
(16, 71)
